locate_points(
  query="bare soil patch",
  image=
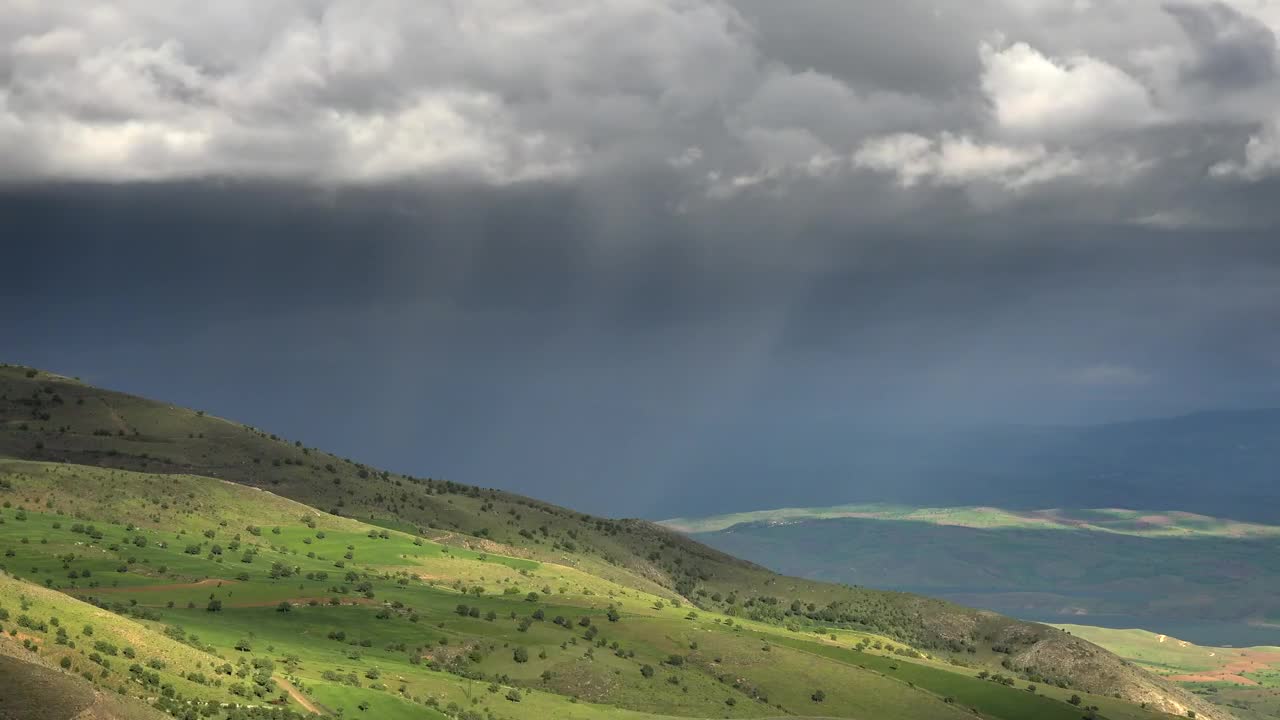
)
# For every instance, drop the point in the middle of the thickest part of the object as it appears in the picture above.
(299, 698)
(208, 582)
(1234, 671)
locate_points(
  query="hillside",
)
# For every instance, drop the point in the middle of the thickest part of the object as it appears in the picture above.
(1211, 579)
(157, 513)
(1245, 679)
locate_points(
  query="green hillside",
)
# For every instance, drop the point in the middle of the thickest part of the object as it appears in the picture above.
(207, 569)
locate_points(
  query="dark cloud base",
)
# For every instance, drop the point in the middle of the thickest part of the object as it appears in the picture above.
(597, 347)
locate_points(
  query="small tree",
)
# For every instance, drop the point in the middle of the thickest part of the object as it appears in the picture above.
(520, 655)
(646, 670)
(818, 696)
(214, 606)
(1075, 700)
(284, 607)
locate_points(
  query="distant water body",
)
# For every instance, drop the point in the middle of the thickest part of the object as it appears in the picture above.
(1199, 632)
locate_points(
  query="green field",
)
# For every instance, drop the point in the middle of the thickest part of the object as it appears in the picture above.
(205, 569)
(405, 647)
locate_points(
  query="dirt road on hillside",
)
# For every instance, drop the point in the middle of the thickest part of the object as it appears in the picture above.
(298, 697)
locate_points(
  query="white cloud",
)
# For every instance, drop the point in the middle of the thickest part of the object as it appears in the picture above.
(342, 90)
(1040, 97)
(366, 91)
(1261, 157)
(960, 160)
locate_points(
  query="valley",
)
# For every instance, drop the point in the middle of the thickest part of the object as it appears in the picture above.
(1211, 580)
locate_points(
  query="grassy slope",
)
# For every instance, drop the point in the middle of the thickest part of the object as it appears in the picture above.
(1244, 679)
(169, 587)
(1170, 656)
(44, 417)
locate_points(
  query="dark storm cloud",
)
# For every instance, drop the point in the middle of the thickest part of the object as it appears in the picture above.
(532, 245)
(547, 338)
(875, 44)
(1232, 50)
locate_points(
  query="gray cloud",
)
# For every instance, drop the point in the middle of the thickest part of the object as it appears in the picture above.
(1232, 50)
(761, 95)
(566, 242)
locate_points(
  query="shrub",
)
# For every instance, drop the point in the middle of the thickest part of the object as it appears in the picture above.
(105, 647)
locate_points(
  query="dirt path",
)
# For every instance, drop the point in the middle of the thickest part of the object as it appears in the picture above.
(298, 697)
(216, 582)
(116, 418)
(301, 601)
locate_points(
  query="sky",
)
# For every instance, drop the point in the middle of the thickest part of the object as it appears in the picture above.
(591, 252)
